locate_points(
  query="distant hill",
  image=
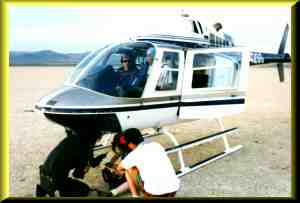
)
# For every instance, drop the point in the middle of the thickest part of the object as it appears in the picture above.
(44, 58)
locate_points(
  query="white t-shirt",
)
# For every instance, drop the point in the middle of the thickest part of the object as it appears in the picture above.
(155, 168)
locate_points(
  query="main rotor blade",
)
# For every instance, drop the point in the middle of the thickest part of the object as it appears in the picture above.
(280, 71)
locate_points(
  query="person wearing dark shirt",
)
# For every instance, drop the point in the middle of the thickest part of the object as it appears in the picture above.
(128, 78)
(73, 152)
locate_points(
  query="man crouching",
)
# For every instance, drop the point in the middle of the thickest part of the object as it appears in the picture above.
(145, 166)
(73, 152)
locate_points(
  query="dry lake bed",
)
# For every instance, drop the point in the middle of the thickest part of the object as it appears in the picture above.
(262, 168)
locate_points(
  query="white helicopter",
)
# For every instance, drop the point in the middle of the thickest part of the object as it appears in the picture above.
(196, 74)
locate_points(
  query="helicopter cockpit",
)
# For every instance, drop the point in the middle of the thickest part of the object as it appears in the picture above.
(118, 70)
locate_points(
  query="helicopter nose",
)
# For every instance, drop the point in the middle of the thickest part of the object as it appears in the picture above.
(79, 110)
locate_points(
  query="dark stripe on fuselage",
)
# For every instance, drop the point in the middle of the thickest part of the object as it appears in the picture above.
(145, 106)
(213, 102)
(113, 109)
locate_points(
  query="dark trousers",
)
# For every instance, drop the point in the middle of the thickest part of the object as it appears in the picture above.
(74, 188)
(67, 187)
(70, 188)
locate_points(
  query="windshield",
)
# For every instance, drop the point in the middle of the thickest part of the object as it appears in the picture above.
(119, 70)
(83, 63)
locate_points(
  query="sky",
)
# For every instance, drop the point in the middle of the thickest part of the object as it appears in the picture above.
(80, 29)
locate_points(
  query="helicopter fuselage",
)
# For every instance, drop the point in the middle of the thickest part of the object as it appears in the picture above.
(195, 83)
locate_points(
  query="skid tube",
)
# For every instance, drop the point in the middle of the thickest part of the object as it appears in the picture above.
(179, 148)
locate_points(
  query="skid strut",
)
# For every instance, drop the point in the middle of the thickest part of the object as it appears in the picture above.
(180, 147)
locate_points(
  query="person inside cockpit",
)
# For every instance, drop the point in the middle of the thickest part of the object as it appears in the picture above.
(128, 78)
(149, 59)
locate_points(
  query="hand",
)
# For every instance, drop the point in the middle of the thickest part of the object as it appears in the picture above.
(120, 168)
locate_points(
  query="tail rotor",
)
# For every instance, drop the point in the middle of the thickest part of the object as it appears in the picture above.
(280, 67)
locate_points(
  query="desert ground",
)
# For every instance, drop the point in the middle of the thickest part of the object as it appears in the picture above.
(262, 168)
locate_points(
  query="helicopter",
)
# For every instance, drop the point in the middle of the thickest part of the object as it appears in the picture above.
(195, 74)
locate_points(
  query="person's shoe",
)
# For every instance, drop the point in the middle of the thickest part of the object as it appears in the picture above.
(40, 192)
(104, 193)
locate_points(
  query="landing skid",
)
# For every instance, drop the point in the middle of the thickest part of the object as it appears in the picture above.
(106, 140)
(180, 147)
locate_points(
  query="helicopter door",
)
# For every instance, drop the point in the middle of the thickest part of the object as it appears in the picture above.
(165, 75)
(163, 87)
(214, 82)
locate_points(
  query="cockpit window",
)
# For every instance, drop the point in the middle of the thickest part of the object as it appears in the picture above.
(119, 71)
(83, 64)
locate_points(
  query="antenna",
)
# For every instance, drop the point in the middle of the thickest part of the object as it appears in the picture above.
(184, 14)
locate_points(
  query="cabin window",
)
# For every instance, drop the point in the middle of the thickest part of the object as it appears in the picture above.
(212, 38)
(226, 43)
(169, 72)
(217, 70)
(218, 41)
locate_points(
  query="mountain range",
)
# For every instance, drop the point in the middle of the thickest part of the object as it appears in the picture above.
(44, 58)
